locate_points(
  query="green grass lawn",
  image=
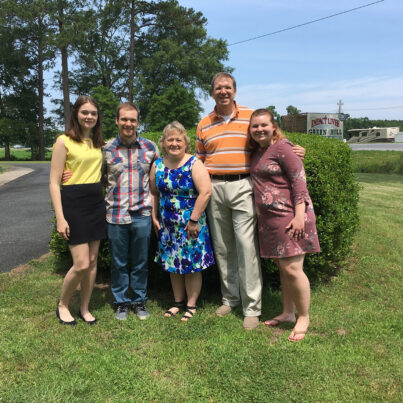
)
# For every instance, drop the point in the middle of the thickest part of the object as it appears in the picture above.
(351, 354)
(378, 161)
(22, 155)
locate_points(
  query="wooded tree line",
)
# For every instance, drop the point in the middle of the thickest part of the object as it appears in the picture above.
(364, 123)
(154, 53)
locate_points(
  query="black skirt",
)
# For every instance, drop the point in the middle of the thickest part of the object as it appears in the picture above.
(84, 210)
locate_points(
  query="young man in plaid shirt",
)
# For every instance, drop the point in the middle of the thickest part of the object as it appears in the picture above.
(128, 158)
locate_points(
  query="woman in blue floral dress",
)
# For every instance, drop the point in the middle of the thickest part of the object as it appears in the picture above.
(181, 188)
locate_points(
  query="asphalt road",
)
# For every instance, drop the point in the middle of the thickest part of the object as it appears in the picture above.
(25, 217)
(377, 147)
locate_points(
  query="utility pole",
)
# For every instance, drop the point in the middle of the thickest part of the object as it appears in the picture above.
(340, 104)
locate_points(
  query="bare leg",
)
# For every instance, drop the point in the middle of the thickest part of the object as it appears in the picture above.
(288, 314)
(88, 280)
(299, 288)
(81, 262)
(193, 284)
(178, 288)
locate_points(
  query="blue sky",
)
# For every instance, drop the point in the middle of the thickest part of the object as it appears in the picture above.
(356, 57)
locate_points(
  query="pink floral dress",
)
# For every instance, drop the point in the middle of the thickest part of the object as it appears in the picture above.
(279, 183)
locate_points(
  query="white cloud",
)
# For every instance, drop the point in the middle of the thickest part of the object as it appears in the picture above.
(374, 97)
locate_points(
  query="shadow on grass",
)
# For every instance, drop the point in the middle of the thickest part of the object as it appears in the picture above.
(379, 178)
(160, 290)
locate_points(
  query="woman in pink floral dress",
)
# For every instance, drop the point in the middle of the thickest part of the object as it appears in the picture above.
(286, 219)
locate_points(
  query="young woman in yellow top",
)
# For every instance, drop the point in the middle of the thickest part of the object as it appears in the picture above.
(79, 204)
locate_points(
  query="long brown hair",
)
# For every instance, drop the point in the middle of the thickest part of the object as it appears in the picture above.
(74, 129)
(277, 133)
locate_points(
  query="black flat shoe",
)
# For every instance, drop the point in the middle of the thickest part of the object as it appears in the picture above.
(71, 323)
(89, 322)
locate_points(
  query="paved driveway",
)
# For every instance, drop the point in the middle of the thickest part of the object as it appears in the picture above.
(25, 217)
(377, 147)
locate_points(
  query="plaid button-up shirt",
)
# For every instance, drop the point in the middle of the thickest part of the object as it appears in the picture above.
(126, 170)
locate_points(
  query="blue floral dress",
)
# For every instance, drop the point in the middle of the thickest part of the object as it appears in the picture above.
(176, 253)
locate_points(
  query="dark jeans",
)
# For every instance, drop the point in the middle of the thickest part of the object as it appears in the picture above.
(129, 243)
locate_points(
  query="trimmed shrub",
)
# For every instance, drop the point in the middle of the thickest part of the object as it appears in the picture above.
(334, 192)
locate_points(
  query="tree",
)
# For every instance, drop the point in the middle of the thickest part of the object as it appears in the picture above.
(177, 47)
(65, 15)
(171, 44)
(41, 53)
(292, 110)
(175, 103)
(140, 18)
(30, 22)
(276, 115)
(70, 20)
(107, 104)
(18, 83)
(101, 56)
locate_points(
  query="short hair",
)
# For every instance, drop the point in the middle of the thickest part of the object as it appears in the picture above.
(178, 127)
(222, 74)
(277, 133)
(126, 105)
(74, 129)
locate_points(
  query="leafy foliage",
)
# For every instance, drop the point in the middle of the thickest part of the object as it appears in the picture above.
(18, 98)
(131, 47)
(107, 104)
(171, 44)
(26, 22)
(292, 110)
(334, 192)
(175, 103)
(276, 115)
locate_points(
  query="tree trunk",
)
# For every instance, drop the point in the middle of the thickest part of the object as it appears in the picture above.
(41, 84)
(32, 144)
(131, 51)
(65, 86)
(65, 70)
(7, 156)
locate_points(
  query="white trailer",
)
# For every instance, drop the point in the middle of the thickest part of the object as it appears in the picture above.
(373, 135)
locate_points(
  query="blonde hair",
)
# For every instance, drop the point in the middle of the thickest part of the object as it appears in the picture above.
(177, 127)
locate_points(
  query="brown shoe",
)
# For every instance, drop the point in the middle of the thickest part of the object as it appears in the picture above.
(251, 322)
(223, 310)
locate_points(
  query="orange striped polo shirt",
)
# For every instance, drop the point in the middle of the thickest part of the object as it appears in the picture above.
(222, 146)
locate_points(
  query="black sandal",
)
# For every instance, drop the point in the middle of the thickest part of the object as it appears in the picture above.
(188, 313)
(180, 305)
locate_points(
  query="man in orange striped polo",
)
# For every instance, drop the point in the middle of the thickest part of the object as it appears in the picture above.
(221, 145)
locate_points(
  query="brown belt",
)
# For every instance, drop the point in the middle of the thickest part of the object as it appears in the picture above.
(229, 178)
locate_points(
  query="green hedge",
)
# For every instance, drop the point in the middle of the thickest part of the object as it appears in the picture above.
(334, 193)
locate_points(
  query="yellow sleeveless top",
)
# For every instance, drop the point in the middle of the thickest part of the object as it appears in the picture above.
(83, 161)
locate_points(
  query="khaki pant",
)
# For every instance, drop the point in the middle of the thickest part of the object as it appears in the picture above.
(233, 226)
